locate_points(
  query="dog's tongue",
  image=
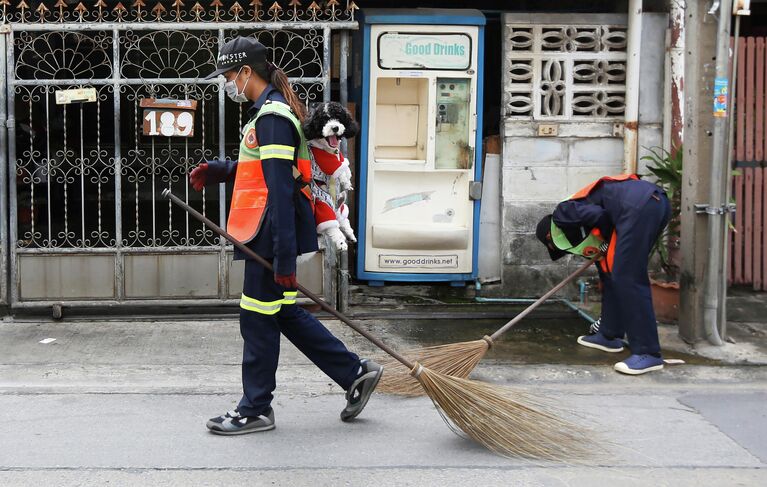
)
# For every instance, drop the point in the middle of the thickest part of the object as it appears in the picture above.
(333, 141)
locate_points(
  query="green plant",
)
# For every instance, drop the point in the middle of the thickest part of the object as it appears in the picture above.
(666, 167)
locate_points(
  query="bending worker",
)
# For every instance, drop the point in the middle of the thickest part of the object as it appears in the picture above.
(271, 212)
(621, 217)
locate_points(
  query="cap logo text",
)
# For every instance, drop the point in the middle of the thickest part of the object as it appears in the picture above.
(231, 58)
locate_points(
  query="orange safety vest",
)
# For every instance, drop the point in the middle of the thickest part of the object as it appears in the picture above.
(607, 263)
(250, 191)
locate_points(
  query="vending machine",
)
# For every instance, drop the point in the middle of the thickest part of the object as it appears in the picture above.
(419, 180)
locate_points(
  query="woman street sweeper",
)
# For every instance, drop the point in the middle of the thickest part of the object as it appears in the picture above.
(621, 217)
(271, 211)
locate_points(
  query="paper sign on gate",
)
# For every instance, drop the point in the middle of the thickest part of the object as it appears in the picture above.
(78, 95)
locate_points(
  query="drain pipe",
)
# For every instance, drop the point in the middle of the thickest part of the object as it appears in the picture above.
(716, 209)
(631, 122)
(723, 269)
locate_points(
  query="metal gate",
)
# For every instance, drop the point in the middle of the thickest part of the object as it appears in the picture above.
(748, 254)
(87, 223)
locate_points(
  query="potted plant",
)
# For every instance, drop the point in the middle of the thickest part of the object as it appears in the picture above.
(666, 167)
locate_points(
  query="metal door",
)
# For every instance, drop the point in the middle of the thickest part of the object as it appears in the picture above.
(87, 223)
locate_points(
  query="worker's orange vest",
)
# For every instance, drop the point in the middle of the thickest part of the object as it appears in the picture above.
(607, 263)
(250, 191)
(582, 193)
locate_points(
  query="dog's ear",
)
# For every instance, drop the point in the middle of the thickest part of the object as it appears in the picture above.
(306, 125)
(313, 123)
(314, 129)
(352, 127)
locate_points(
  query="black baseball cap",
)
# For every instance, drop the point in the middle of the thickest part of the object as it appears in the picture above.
(240, 51)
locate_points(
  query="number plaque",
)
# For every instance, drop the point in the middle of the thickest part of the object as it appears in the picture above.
(168, 118)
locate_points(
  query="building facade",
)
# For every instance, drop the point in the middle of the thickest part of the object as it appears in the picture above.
(83, 222)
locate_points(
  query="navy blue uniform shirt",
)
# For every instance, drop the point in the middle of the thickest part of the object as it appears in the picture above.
(611, 203)
(288, 228)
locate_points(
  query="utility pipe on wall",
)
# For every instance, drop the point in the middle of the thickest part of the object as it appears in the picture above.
(666, 141)
(715, 209)
(676, 68)
(739, 8)
(631, 123)
(723, 265)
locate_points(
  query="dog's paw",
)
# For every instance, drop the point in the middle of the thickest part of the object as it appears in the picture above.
(338, 238)
(347, 230)
(345, 180)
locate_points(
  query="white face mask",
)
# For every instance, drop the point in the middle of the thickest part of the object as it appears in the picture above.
(230, 88)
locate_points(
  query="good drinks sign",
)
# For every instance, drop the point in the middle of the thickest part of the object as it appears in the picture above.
(424, 51)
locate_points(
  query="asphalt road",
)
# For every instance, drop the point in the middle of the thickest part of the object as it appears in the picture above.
(124, 403)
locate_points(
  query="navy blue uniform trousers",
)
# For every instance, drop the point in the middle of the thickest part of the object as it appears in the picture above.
(261, 333)
(626, 300)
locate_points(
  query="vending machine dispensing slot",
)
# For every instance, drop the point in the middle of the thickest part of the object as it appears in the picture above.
(401, 125)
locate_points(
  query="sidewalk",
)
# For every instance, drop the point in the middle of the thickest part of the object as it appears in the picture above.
(125, 403)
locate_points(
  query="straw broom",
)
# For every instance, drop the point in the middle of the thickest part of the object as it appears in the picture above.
(508, 422)
(456, 359)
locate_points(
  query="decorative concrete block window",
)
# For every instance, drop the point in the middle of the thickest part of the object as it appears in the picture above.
(560, 72)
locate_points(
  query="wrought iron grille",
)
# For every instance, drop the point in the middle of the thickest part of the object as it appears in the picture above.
(62, 11)
(83, 177)
(564, 72)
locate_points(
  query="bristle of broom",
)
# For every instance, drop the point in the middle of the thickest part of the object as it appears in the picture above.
(455, 359)
(509, 422)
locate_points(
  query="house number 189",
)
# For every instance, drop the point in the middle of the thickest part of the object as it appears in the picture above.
(169, 123)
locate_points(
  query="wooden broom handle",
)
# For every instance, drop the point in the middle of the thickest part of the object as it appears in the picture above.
(376, 341)
(540, 300)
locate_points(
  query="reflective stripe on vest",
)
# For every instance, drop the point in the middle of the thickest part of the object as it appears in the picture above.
(276, 151)
(267, 307)
(250, 193)
(303, 159)
(589, 247)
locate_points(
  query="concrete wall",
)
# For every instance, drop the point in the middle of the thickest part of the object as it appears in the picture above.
(538, 172)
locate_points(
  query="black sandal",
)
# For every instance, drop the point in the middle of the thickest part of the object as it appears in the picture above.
(361, 389)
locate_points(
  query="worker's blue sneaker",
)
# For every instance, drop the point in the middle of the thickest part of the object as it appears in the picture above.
(601, 342)
(639, 364)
